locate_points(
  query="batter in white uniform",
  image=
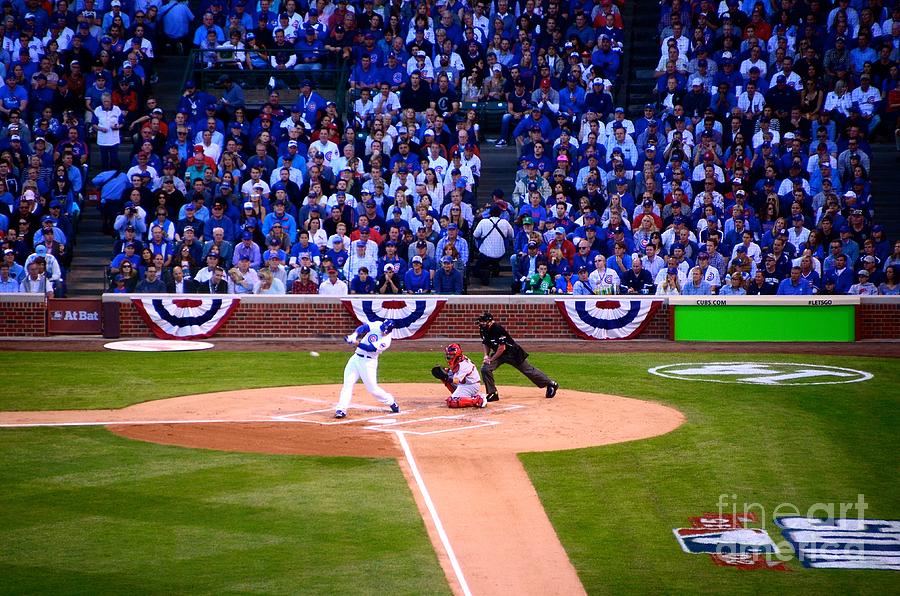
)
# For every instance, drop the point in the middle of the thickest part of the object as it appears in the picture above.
(370, 342)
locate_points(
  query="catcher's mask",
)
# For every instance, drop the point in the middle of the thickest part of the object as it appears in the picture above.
(453, 353)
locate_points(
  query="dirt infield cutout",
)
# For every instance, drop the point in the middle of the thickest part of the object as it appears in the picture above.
(482, 514)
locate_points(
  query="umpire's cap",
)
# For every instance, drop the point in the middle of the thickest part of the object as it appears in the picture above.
(486, 318)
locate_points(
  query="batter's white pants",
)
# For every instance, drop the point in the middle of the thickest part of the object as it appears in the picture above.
(360, 367)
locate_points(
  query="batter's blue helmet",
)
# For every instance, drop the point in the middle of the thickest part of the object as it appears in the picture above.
(387, 325)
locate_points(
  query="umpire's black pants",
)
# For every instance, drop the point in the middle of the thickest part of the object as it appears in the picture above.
(535, 375)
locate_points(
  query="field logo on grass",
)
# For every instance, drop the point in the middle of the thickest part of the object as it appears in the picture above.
(843, 543)
(761, 373)
(728, 542)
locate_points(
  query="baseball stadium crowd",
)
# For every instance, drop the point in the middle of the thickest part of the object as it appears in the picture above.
(749, 174)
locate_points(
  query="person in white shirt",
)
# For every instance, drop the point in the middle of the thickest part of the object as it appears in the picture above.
(436, 161)
(838, 99)
(751, 102)
(756, 60)
(421, 63)
(603, 279)
(865, 95)
(364, 108)
(792, 79)
(798, 234)
(35, 282)
(765, 134)
(348, 159)
(681, 270)
(360, 257)
(491, 235)
(469, 160)
(386, 102)
(866, 98)
(108, 121)
(681, 42)
(255, 185)
(748, 246)
(820, 158)
(465, 210)
(332, 285)
(324, 146)
(62, 34)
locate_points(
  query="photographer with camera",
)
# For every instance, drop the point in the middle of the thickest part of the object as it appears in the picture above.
(132, 215)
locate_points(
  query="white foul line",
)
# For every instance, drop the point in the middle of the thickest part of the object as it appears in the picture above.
(131, 422)
(434, 514)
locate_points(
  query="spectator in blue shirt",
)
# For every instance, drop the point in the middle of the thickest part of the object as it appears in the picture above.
(571, 99)
(448, 279)
(310, 51)
(365, 75)
(12, 96)
(362, 282)
(417, 279)
(537, 119)
(697, 286)
(794, 285)
(207, 25)
(842, 275)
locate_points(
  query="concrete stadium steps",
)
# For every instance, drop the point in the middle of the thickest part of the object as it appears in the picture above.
(642, 55)
(94, 249)
(498, 170)
(885, 176)
(93, 252)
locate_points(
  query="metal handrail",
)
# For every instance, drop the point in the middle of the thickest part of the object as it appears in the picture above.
(329, 77)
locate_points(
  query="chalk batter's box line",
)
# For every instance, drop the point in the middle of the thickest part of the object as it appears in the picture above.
(294, 417)
(390, 428)
(299, 416)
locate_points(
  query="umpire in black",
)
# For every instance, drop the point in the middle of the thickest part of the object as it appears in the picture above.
(499, 349)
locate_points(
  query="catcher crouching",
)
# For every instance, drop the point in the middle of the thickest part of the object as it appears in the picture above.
(461, 378)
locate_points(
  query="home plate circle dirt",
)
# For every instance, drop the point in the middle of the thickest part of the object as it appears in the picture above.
(490, 531)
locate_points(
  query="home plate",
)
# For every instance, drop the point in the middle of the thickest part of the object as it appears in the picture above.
(383, 421)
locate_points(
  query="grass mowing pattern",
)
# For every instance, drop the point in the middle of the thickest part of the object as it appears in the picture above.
(613, 507)
(85, 511)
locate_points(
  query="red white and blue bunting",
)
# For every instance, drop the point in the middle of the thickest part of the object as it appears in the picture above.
(412, 318)
(608, 319)
(185, 318)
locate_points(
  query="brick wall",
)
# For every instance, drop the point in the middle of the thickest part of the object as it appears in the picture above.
(528, 320)
(534, 320)
(263, 320)
(878, 321)
(23, 319)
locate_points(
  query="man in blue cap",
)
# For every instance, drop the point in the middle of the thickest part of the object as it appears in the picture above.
(310, 50)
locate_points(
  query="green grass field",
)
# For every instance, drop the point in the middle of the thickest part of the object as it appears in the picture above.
(83, 510)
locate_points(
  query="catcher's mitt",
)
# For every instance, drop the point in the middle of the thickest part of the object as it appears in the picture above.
(443, 375)
(440, 374)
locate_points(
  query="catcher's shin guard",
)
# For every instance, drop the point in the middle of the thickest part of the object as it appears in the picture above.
(465, 402)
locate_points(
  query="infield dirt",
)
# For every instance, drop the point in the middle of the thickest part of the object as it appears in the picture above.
(493, 519)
